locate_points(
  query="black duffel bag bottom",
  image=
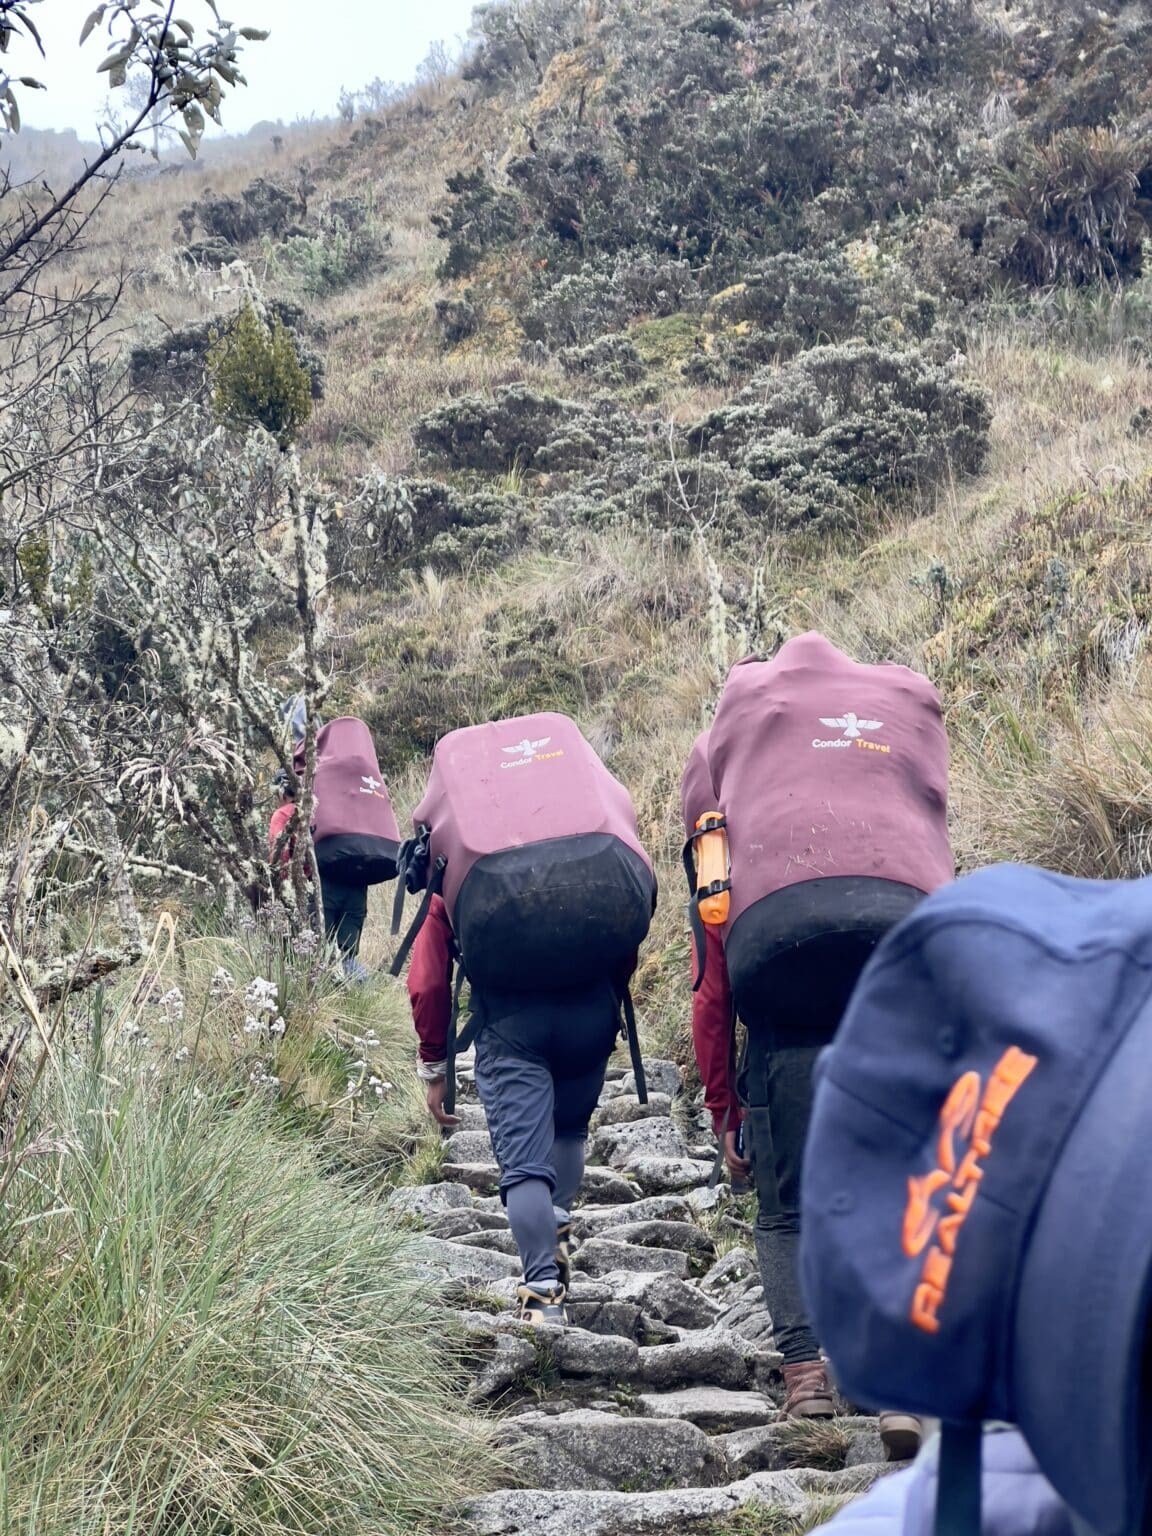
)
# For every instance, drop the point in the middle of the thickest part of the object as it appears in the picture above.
(795, 956)
(555, 914)
(356, 858)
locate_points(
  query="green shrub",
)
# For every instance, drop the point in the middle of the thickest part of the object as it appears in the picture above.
(334, 258)
(610, 360)
(401, 522)
(518, 427)
(258, 377)
(263, 208)
(570, 309)
(478, 218)
(843, 420)
(796, 300)
(203, 1334)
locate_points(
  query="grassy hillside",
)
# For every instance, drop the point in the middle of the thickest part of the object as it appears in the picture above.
(670, 328)
(735, 320)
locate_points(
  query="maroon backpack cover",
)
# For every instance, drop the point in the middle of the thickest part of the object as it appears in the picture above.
(825, 769)
(535, 847)
(354, 827)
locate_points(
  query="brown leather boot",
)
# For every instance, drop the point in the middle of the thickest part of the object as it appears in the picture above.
(809, 1394)
(900, 1435)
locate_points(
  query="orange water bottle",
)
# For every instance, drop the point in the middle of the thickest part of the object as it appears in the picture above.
(713, 867)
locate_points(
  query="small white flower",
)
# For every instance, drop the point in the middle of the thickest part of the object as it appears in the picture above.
(182, 1054)
(278, 1025)
(172, 1003)
(252, 1026)
(260, 995)
(222, 983)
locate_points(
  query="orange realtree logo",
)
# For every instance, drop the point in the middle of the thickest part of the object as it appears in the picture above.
(939, 1202)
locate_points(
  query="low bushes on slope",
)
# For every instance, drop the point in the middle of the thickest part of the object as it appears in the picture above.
(843, 420)
(202, 1335)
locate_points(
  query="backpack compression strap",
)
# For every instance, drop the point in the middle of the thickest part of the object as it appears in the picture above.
(434, 887)
(958, 1480)
(634, 1046)
(411, 872)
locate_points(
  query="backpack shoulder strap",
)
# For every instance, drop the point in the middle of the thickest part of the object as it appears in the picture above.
(433, 888)
(958, 1480)
(456, 1042)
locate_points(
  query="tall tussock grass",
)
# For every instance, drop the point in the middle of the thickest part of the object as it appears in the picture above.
(202, 1334)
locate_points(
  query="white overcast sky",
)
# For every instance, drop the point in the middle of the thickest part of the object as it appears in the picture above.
(316, 48)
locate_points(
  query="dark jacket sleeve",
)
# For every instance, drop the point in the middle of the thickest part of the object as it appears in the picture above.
(712, 1036)
(430, 982)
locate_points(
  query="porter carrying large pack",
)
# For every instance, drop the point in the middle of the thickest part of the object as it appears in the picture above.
(533, 846)
(831, 780)
(354, 828)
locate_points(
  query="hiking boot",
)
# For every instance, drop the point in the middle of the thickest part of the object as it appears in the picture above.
(564, 1254)
(538, 1307)
(900, 1435)
(809, 1394)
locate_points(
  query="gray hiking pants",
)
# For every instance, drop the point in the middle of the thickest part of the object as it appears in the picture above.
(540, 1064)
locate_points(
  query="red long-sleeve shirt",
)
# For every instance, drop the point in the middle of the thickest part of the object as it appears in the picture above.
(281, 816)
(430, 982)
(712, 1036)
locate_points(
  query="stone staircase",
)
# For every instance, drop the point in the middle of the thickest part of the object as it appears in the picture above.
(658, 1408)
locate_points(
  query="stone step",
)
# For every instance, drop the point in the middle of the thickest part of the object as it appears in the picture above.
(484, 1178)
(621, 1145)
(499, 1241)
(602, 1255)
(607, 1187)
(669, 1175)
(684, 1236)
(460, 1223)
(588, 1512)
(826, 1445)
(470, 1147)
(426, 1201)
(437, 1258)
(589, 1450)
(565, 1358)
(597, 1220)
(731, 1276)
(714, 1409)
(620, 1109)
(647, 1308)
(660, 1076)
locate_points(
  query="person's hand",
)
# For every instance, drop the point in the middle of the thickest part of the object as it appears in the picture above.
(436, 1091)
(739, 1166)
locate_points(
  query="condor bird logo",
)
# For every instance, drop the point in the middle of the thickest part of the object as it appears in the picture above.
(851, 724)
(526, 749)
